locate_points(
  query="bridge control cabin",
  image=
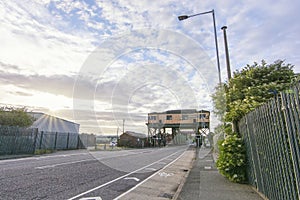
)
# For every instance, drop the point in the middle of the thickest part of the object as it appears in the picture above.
(178, 120)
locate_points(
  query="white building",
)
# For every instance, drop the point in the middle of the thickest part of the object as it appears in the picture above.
(50, 123)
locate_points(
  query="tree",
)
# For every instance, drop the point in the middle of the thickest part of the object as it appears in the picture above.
(219, 102)
(10, 116)
(254, 85)
(248, 89)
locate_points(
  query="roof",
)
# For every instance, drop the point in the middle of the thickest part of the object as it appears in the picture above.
(182, 111)
(137, 135)
(50, 123)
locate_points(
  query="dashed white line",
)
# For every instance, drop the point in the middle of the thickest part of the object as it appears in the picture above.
(60, 164)
(150, 169)
(40, 157)
(207, 167)
(91, 198)
(148, 178)
(121, 177)
(132, 178)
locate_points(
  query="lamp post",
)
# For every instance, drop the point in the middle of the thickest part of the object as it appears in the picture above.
(183, 17)
(226, 53)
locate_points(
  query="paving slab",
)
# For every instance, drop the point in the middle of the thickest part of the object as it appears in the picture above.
(206, 183)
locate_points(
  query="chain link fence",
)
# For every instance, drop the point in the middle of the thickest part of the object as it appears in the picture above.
(272, 139)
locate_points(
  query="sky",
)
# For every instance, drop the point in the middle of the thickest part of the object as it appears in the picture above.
(104, 62)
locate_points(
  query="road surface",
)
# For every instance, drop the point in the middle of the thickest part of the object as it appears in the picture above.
(81, 174)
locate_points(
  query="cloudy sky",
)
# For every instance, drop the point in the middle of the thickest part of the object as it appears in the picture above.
(100, 62)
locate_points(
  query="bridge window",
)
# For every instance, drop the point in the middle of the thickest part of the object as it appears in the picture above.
(185, 117)
(202, 116)
(169, 117)
(152, 117)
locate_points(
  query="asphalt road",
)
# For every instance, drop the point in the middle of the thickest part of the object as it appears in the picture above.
(81, 174)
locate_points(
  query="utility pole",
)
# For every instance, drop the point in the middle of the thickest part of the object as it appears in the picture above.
(123, 124)
(117, 133)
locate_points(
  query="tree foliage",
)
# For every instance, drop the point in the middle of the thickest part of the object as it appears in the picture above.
(254, 85)
(219, 102)
(249, 88)
(10, 116)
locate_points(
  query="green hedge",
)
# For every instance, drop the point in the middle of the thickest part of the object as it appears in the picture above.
(232, 158)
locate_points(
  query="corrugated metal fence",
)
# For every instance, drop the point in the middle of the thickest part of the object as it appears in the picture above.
(272, 138)
(16, 140)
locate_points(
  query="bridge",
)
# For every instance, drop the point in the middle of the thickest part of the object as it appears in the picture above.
(180, 121)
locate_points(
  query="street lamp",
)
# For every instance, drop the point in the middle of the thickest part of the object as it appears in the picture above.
(226, 53)
(183, 17)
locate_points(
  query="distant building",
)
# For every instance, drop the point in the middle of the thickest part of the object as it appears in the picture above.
(132, 139)
(196, 121)
(48, 123)
(106, 139)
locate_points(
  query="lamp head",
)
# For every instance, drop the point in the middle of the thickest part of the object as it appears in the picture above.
(182, 17)
(224, 27)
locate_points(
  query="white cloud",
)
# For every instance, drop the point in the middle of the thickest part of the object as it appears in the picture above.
(45, 45)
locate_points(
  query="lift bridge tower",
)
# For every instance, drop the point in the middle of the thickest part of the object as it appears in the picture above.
(187, 121)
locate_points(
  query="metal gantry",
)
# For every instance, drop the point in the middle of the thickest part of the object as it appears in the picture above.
(181, 122)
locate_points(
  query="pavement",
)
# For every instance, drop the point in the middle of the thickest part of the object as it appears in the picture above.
(192, 176)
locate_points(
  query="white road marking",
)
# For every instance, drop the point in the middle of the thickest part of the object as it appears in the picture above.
(91, 198)
(60, 164)
(121, 177)
(207, 167)
(148, 178)
(109, 157)
(150, 169)
(40, 157)
(164, 174)
(163, 163)
(132, 178)
(62, 155)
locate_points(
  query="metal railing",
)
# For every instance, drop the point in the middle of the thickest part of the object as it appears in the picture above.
(57, 141)
(17, 140)
(272, 138)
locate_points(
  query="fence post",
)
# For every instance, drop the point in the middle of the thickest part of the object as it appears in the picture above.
(36, 131)
(41, 139)
(68, 137)
(55, 140)
(78, 141)
(15, 141)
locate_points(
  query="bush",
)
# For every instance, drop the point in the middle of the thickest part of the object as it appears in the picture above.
(232, 158)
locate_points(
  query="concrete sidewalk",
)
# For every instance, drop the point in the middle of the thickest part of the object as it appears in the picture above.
(204, 182)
